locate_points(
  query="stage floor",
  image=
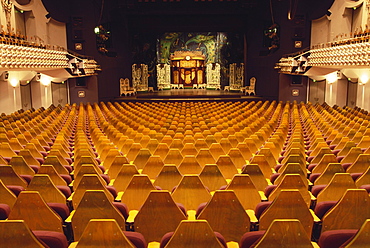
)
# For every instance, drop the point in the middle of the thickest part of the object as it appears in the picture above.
(189, 95)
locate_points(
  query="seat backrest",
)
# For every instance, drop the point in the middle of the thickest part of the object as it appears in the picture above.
(323, 163)
(212, 177)
(352, 155)
(110, 158)
(10, 177)
(158, 216)
(191, 192)
(237, 157)
(292, 181)
(360, 165)
(173, 157)
(189, 165)
(126, 172)
(112, 236)
(195, 234)
(134, 151)
(189, 149)
(137, 191)
(88, 182)
(349, 213)
(328, 173)
(116, 165)
(168, 177)
(216, 150)
(361, 239)
(141, 158)
(289, 204)
(256, 175)
(162, 150)
(245, 150)
(6, 150)
(225, 207)
(47, 189)
(53, 174)
(95, 204)
(336, 187)
(245, 190)
(285, 233)
(268, 156)
(321, 153)
(153, 166)
(292, 168)
(85, 160)
(32, 208)
(204, 157)
(15, 233)
(83, 170)
(20, 165)
(263, 165)
(7, 196)
(57, 163)
(226, 166)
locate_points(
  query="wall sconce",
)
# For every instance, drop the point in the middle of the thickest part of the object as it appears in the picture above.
(14, 82)
(45, 80)
(331, 77)
(364, 78)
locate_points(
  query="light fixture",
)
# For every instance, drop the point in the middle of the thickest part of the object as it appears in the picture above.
(331, 77)
(14, 82)
(364, 78)
(45, 80)
(97, 30)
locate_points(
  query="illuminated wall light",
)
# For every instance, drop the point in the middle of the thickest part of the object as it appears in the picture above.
(45, 80)
(331, 77)
(364, 78)
(96, 30)
(14, 82)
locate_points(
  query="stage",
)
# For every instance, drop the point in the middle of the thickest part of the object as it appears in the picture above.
(189, 95)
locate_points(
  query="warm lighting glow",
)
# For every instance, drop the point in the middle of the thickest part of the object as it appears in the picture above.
(14, 82)
(331, 77)
(96, 30)
(364, 78)
(45, 80)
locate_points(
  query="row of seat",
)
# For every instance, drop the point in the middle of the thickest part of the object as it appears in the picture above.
(278, 136)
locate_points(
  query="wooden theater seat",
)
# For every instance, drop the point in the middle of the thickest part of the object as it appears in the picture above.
(16, 233)
(256, 175)
(158, 215)
(226, 215)
(7, 196)
(336, 187)
(168, 177)
(47, 189)
(226, 166)
(195, 234)
(88, 182)
(94, 204)
(289, 204)
(32, 208)
(93, 236)
(204, 157)
(245, 190)
(189, 165)
(136, 192)
(191, 192)
(350, 212)
(278, 236)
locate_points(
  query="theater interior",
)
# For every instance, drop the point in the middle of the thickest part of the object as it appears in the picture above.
(184, 123)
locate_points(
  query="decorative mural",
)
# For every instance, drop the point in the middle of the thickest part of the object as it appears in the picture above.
(209, 43)
(218, 47)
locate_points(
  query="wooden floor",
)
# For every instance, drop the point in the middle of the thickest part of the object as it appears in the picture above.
(189, 95)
